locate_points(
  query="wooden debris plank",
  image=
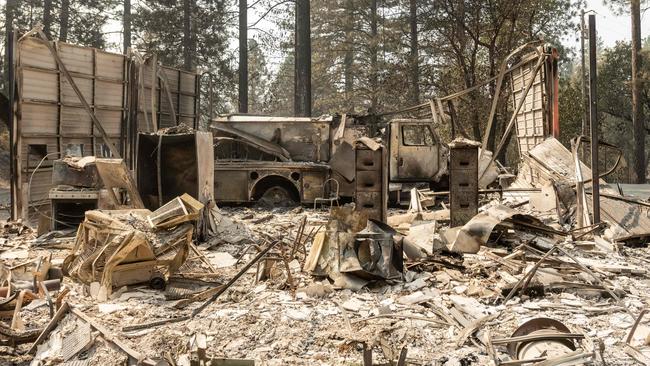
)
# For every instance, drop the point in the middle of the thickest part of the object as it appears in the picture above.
(108, 335)
(49, 327)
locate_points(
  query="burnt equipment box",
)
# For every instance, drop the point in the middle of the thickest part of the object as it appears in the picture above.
(69, 206)
(463, 181)
(169, 165)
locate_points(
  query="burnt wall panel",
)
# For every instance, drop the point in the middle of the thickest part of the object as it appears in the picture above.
(52, 117)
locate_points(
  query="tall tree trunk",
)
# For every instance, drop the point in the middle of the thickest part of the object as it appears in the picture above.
(189, 40)
(127, 25)
(637, 108)
(9, 21)
(302, 89)
(243, 56)
(348, 60)
(374, 49)
(415, 67)
(47, 18)
(65, 20)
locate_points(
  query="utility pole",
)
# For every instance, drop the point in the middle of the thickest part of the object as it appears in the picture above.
(593, 120)
(302, 83)
(243, 56)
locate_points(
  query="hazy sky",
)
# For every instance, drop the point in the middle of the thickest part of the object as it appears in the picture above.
(612, 28)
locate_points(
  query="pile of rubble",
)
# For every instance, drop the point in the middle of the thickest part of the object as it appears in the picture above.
(522, 282)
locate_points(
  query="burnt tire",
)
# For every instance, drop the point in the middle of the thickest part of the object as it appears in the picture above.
(277, 196)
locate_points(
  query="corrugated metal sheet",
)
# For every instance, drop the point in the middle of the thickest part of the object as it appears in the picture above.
(109, 94)
(75, 121)
(68, 96)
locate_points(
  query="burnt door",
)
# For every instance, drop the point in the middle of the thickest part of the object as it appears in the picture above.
(417, 155)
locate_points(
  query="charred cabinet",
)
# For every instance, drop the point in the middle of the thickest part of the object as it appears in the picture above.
(463, 181)
(371, 191)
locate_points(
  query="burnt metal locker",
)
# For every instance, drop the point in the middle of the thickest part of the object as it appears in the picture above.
(463, 181)
(371, 184)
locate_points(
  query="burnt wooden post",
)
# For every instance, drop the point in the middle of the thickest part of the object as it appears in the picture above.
(11, 79)
(463, 181)
(593, 120)
(302, 88)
